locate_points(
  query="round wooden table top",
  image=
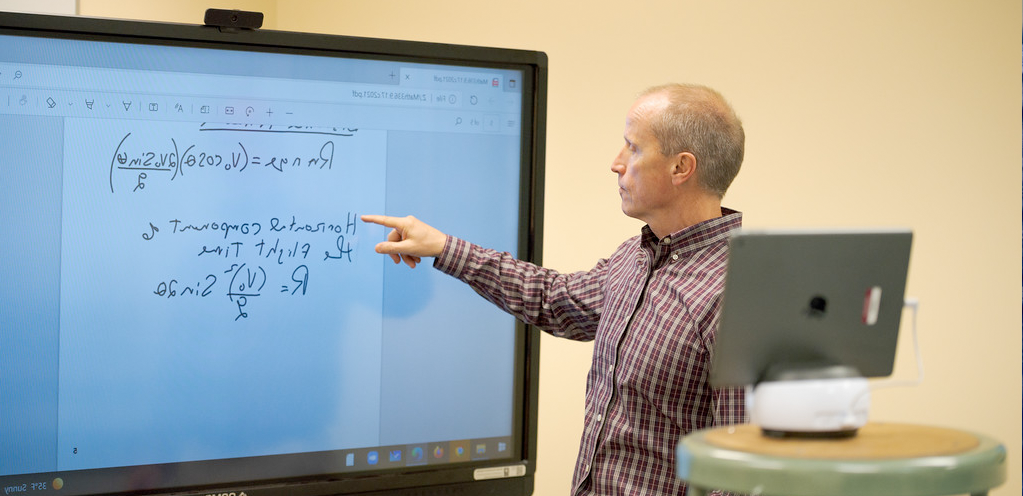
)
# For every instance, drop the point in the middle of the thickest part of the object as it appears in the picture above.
(873, 441)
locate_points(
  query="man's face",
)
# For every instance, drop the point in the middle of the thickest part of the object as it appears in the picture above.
(644, 173)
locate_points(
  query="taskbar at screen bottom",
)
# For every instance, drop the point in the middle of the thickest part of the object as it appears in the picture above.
(409, 455)
(174, 477)
(426, 453)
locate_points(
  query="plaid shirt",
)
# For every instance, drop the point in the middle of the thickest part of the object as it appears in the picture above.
(651, 310)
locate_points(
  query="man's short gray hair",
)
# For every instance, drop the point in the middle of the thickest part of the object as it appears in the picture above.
(700, 121)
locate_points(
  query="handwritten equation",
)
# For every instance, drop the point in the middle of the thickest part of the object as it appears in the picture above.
(144, 161)
(260, 258)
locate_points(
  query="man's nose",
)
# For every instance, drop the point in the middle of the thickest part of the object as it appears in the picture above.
(618, 164)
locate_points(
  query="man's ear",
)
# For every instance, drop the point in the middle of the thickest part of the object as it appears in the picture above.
(684, 168)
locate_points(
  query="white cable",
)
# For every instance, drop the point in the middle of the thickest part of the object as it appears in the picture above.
(914, 305)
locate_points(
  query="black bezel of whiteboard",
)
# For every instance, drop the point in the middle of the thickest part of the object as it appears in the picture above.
(246, 475)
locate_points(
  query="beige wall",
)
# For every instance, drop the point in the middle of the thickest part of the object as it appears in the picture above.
(180, 11)
(857, 113)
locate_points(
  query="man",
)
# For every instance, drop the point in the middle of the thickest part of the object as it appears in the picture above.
(651, 308)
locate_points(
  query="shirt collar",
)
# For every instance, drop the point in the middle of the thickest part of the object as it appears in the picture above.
(697, 236)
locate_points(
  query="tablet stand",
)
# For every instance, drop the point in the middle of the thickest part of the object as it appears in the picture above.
(810, 401)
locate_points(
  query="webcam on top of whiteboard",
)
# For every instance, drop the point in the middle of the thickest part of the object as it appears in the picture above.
(233, 19)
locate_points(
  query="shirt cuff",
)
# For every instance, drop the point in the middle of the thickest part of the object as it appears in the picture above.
(454, 257)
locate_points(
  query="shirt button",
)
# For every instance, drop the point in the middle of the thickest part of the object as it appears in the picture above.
(674, 256)
(599, 417)
(666, 240)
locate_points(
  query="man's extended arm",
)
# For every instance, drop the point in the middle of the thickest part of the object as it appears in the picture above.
(567, 305)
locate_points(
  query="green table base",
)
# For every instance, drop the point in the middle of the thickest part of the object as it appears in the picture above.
(752, 464)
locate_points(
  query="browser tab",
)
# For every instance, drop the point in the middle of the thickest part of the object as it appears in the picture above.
(433, 78)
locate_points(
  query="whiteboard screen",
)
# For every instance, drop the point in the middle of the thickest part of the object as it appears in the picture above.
(186, 281)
